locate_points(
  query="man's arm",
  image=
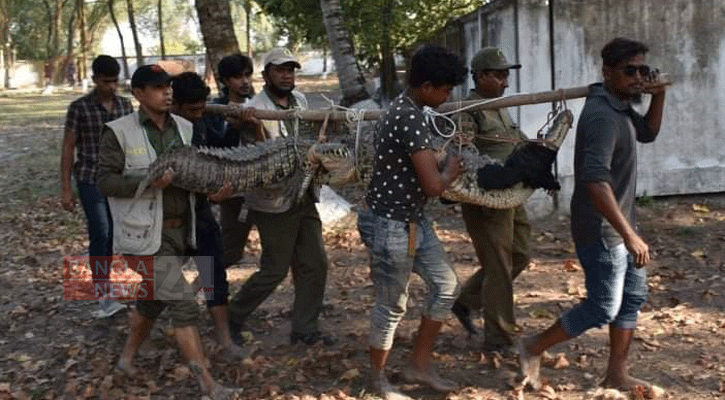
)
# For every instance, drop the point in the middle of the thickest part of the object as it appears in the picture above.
(432, 181)
(66, 165)
(602, 197)
(653, 118)
(111, 159)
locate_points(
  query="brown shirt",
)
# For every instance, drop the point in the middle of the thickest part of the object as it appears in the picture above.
(493, 131)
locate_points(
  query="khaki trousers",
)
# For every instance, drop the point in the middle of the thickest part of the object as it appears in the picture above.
(501, 241)
(290, 240)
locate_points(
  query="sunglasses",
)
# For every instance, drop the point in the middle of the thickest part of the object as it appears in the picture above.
(631, 70)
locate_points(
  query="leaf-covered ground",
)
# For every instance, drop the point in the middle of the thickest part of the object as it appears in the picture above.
(51, 348)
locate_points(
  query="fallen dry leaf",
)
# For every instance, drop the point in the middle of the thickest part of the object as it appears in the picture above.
(516, 394)
(698, 254)
(655, 392)
(571, 266)
(608, 394)
(561, 361)
(548, 392)
(700, 208)
(350, 374)
(180, 373)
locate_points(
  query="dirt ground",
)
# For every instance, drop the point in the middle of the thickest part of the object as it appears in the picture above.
(51, 348)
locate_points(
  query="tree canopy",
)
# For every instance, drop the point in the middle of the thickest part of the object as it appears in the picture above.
(410, 22)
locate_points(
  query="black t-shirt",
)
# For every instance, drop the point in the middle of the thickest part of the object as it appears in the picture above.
(394, 191)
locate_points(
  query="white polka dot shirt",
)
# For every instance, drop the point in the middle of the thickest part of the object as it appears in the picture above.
(394, 190)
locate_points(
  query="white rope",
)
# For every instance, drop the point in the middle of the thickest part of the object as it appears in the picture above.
(356, 116)
(332, 103)
(430, 116)
(474, 105)
(361, 115)
(298, 116)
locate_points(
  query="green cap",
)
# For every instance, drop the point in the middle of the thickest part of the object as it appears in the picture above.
(491, 58)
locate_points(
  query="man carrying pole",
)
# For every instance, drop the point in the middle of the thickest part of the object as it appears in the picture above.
(603, 226)
(500, 236)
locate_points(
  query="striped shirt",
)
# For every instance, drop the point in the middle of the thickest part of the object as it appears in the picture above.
(87, 117)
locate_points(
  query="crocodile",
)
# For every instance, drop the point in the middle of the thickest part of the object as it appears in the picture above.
(344, 160)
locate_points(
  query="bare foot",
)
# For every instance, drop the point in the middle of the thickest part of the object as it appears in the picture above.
(213, 389)
(624, 383)
(125, 368)
(378, 385)
(430, 378)
(530, 364)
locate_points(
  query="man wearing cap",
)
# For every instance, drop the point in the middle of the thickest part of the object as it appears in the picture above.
(500, 237)
(160, 223)
(290, 231)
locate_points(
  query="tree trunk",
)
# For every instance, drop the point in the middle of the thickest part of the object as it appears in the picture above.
(52, 42)
(324, 59)
(217, 29)
(68, 70)
(120, 37)
(388, 76)
(84, 41)
(248, 12)
(137, 44)
(161, 29)
(5, 19)
(71, 29)
(352, 82)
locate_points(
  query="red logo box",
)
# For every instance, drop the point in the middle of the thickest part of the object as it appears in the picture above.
(130, 278)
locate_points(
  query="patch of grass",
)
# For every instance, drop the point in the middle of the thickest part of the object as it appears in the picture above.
(32, 169)
(645, 200)
(40, 112)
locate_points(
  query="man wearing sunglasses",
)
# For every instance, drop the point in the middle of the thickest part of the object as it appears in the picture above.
(603, 226)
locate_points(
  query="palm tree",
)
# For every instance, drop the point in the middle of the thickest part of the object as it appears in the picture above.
(120, 38)
(352, 81)
(136, 42)
(159, 11)
(218, 31)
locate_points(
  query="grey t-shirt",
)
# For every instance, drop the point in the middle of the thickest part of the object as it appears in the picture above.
(605, 151)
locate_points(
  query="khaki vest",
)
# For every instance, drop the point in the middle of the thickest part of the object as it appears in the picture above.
(278, 197)
(137, 224)
(275, 128)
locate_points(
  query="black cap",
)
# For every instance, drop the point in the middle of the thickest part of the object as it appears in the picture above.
(149, 75)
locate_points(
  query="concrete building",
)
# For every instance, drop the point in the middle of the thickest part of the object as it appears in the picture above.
(558, 42)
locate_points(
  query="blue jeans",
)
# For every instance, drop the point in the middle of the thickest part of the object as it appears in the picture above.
(390, 268)
(616, 290)
(100, 224)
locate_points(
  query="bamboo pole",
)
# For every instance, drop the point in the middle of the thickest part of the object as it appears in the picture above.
(373, 114)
